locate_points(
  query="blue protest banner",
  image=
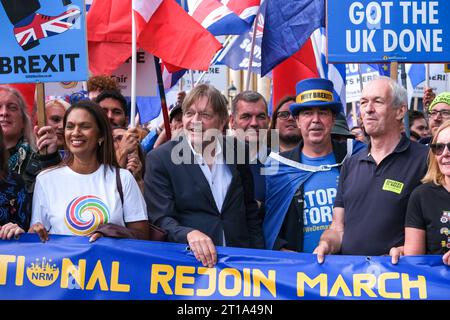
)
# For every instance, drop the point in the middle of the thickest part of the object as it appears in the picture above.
(72, 268)
(43, 41)
(384, 31)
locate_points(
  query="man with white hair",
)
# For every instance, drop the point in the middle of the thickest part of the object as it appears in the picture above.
(374, 186)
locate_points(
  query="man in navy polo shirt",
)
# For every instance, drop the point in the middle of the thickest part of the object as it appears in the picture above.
(374, 186)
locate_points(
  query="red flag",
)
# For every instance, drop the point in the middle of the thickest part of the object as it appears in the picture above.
(27, 90)
(109, 35)
(163, 29)
(175, 37)
(299, 66)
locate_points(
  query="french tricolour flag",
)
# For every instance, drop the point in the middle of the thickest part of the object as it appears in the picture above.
(218, 18)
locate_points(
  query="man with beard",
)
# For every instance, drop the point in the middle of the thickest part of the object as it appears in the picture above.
(302, 182)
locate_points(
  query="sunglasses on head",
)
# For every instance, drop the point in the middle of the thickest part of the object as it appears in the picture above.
(438, 148)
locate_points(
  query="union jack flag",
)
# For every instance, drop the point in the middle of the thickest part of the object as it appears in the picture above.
(221, 19)
(245, 9)
(42, 26)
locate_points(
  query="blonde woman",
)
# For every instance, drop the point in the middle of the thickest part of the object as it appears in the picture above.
(54, 114)
(428, 216)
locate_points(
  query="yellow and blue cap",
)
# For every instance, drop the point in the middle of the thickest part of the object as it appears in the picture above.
(313, 93)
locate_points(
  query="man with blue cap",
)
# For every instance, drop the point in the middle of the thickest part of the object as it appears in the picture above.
(301, 183)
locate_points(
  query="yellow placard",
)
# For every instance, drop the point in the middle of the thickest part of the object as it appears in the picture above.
(393, 186)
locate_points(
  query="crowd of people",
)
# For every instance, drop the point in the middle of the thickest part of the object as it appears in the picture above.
(298, 181)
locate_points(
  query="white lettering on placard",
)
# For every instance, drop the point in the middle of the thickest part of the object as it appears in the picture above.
(426, 14)
(407, 40)
(373, 12)
(376, 16)
(361, 36)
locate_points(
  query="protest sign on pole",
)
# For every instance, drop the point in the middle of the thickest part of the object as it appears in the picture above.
(43, 41)
(384, 31)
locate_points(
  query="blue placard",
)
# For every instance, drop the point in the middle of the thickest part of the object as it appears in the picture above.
(384, 31)
(43, 41)
(69, 267)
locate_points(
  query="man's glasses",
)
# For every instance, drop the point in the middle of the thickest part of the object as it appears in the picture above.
(438, 148)
(443, 113)
(283, 115)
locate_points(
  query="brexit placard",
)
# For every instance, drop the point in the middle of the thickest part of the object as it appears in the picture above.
(68, 267)
(43, 41)
(385, 31)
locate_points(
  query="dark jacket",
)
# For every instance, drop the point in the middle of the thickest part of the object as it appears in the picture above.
(291, 233)
(180, 200)
(32, 164)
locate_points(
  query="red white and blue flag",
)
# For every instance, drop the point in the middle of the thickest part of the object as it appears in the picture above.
(163, 29)
(42, 26)
(237, 54)
(88, 4)
(171, 79)
(221, 19)
(245, 9)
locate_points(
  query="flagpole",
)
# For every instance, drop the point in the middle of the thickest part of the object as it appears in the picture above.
(191, 74)
(133, 70)
(162, 96)
(247, 84)
(361, 87)
(317, 55)
(427, 75)
(405, 85)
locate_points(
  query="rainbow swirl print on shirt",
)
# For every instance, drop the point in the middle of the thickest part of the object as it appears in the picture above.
(84, 214)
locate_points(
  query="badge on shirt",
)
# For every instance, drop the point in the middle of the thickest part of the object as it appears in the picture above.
(393, 186)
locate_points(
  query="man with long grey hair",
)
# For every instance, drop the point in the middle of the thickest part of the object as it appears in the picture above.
(19, 138)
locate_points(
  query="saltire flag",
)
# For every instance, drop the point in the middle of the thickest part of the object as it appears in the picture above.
(237, 54)
(163, 29)
(332, 72)
(288, 25)
(216, 17)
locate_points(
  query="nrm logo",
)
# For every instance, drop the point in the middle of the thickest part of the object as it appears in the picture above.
(42, 276)
(42, 273)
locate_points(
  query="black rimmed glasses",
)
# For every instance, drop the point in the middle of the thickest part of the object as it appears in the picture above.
(443, 113)
(438, 148)
(283, 115)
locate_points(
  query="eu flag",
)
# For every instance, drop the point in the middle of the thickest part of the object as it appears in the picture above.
(288, 24)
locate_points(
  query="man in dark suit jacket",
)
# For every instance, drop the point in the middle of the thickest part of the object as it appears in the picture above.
(193, 193)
